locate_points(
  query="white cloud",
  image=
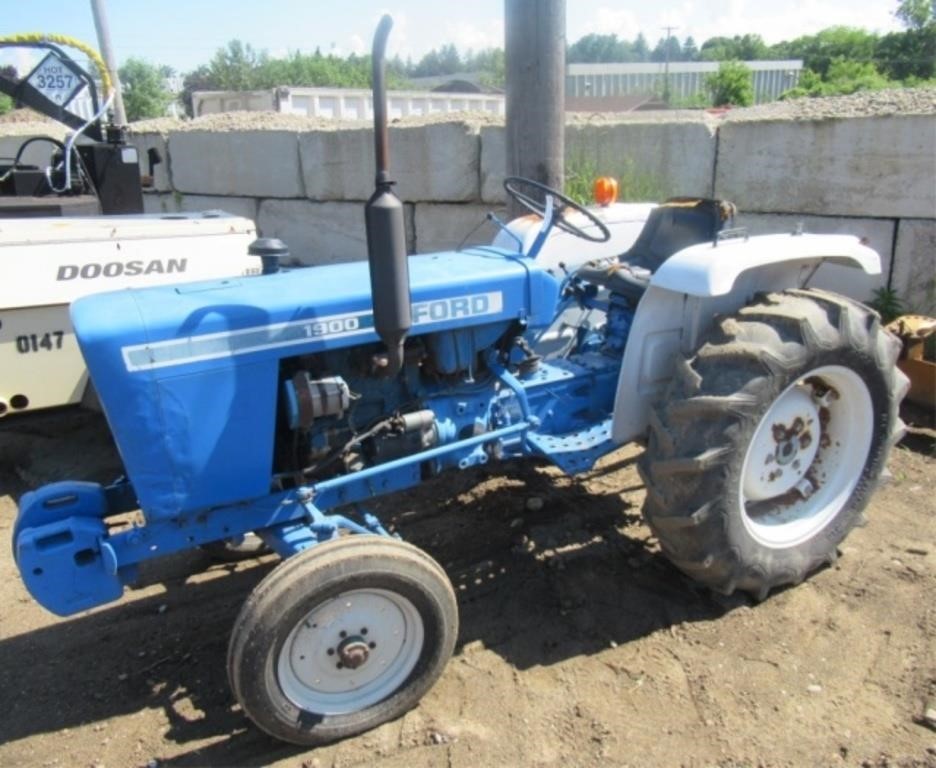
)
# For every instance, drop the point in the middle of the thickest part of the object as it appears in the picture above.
(676, 18)
(24, 59)
(775, 22)
(357, 46)
(467, 36)
(359, 43)
(399, 42)
(702, 19)
(605, 20)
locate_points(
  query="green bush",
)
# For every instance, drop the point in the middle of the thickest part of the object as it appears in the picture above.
(633, 185)
(144, 90)
(842, 77)
(733, 84)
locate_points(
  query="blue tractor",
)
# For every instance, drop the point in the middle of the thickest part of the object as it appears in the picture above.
(282, 404)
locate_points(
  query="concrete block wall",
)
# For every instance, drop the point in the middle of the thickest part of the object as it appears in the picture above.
(675, 158)
(13, 135)
(255, 163)
(874, 177)
(868, 176)
(437, 162)
(914, 271)
(874, 166)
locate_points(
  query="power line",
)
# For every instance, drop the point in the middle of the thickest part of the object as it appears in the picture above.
(666, 50)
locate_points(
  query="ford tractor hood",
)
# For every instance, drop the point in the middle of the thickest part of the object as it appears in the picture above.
(164, 358)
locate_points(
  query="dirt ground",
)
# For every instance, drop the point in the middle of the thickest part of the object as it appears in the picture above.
(579, 644)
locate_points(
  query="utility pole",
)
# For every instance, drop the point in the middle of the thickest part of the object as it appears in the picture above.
(534, 51)
(666, 92)
(107, 52)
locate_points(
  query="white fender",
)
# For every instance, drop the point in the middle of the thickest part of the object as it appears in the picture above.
(711, 269)
(700, 282)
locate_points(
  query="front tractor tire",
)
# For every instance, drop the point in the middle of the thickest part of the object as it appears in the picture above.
(341, 638)
(771, 439)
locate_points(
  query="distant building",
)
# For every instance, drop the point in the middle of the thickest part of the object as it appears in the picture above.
(589, 88)
(609, 82)
(344, 103)
(460, 82)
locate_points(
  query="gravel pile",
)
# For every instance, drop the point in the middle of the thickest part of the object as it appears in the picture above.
(232, 121)
(274, 121)
(33, 128)
(900, 101)
(650, 116)
(24, 115)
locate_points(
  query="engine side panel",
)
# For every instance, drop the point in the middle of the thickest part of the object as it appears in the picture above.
(197, 366)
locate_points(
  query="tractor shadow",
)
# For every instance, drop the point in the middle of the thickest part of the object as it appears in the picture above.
(544, 570)
(548, 568)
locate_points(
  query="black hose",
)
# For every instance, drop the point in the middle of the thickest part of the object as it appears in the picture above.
(82, 168)
(22, 147)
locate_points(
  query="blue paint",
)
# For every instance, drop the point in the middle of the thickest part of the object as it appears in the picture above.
(190, 378)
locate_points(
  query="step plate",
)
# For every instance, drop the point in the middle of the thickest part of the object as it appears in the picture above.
(575, 452)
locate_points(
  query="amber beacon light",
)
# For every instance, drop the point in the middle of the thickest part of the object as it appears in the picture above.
(605, 190)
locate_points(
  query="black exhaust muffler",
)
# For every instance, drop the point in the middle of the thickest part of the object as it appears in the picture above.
(386, 236)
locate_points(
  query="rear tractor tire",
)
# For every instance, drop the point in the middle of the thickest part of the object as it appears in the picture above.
(341, 638)
(771, 439)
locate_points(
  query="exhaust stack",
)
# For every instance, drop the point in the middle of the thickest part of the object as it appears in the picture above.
(383, 216)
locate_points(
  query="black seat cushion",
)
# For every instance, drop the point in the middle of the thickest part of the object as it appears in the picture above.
(674, 225)
(670, 227)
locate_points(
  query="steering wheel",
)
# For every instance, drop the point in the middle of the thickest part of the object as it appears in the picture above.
(532, 196)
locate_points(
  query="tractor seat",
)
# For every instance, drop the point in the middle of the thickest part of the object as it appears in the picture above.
(670, 227)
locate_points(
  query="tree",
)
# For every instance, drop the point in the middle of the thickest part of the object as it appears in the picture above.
(690, 51)
(843, 77)
(233, 68)
(490, 63)
(810, 84)
(197, 80)
(144, 90)
(664, 45)
(441, 61)
(820, 50)
(6, 103)
(641, 49)
(450, 60)
(737, 48)
(733, 84)
(910, 54)
(916, 14)
(593, 49)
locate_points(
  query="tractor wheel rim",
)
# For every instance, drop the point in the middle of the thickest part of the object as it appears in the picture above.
(806, 457)
(350, 652)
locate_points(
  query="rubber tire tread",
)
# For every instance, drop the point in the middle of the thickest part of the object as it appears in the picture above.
(294, 588)
(700, 431)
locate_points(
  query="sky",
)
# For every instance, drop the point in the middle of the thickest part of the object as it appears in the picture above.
(186, 33)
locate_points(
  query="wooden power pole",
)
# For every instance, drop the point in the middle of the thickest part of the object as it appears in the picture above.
(535, 48)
